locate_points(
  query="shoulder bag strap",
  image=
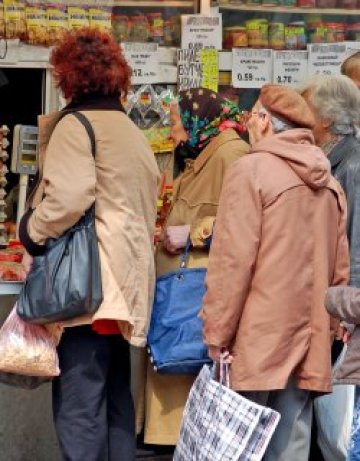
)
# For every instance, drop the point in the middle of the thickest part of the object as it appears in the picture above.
(89, 129)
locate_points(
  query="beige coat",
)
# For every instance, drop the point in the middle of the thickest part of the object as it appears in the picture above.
(197, 193)
(123, 183)
(279, 242)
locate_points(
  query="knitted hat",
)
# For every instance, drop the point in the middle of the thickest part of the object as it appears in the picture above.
(287, 104)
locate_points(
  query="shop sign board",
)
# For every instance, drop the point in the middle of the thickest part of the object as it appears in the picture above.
(200, 31)
(290, 67)
(143, 58)
(251, 68)
(198, 69)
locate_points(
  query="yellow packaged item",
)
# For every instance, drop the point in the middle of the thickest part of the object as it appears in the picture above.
(15, 24)
(57, 22)
(2, 20)
(78, 17)
(36, 23)
(100, 18)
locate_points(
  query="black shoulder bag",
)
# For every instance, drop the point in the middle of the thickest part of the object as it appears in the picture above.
(65, 282)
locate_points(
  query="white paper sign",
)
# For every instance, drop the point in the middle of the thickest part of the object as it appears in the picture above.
(290, 67)
(251, 68)
(189, 69)
(200, 31)
(326, 58)
(143, 58)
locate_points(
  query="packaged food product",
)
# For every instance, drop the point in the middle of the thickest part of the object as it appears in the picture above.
(353, 32)
(57, 22)
(235, 37)
(78, 17)
(295, 37)
(306, 3)
(271, 2)
(2, 20)
(15, 23)
(326, 3)
(317, 32)
(100, 17)
(36, 23)
(169, 28)
(257, 33)
(254, 2)
(277, 35)
(289, 3)
(120, 27)
(156, 27)
(140, 31)
(27, 349)
(11, 255)
(335, 32)
(348, 4)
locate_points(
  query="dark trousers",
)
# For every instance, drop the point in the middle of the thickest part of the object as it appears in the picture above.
(92, 403)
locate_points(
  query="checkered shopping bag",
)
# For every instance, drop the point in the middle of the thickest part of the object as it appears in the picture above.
(220, 425)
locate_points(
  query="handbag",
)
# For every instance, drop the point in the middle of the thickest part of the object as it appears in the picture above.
(175, 341)
(334, 418)
(221, 425)
(65, 282)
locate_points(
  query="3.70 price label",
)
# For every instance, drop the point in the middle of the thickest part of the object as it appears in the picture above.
(251, 68)
(290, 67)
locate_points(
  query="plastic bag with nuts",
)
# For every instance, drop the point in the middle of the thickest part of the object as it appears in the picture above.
(27, 349)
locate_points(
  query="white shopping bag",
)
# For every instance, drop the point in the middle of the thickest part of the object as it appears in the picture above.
(221, 425)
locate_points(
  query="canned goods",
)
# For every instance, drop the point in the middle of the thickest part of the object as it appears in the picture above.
(120, 27)
(156, 25)
(317, 32)
(335, 32)
(277, 35)
(326, 3)
(257, 33)
(139, 28)
(306, 3)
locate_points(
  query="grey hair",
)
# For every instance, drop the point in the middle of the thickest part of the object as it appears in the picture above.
(278, 125)
(335, 98)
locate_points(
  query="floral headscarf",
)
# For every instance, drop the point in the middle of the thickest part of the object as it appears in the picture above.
(205, 114)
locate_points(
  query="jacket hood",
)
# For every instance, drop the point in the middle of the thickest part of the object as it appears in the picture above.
(297, 148)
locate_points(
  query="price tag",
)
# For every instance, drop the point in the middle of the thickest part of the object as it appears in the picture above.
(251, 68)
(143, 58)
(326, 59)
(290, 67)
(210, 69)
(200, 31)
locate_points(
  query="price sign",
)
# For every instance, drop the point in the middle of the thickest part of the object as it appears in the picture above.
(251, 68)
(209, 69)
(290, 67)
(200, 31)
(143, 58)
(326, 59)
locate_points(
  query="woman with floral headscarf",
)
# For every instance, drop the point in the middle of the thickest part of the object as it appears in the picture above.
(206, 131)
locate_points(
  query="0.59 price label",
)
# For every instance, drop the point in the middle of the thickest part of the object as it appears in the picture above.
(251, 68)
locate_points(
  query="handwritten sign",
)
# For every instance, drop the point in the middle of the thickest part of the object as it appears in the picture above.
(290, 67)
(200, 31)
(198, 69)
(251, 68)
(143, 58)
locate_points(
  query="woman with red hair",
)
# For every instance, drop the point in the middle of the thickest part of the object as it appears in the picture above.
(93, 408)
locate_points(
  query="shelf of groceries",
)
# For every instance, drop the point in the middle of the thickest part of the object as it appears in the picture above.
(273, 9)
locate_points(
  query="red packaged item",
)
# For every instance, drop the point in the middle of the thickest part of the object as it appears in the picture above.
(11, 272)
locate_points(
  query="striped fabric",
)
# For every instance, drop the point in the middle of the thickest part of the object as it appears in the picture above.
(221, 425)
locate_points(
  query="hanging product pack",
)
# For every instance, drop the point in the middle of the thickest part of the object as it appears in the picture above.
(221, 425)
(175, 340)
(65, 282)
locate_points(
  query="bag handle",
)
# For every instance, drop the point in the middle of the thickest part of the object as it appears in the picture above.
(89, 129)
(186, 254)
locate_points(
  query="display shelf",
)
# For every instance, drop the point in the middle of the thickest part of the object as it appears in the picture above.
(10, 288)
(155, 4)
(288, 10)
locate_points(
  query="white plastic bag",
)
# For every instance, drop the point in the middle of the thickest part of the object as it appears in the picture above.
(334, 416)
(27, 349)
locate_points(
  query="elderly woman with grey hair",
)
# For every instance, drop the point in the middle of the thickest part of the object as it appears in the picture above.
(335, 102)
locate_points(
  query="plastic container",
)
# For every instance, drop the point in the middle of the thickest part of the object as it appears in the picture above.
(277, 35)
(257, 33)
(335, 32)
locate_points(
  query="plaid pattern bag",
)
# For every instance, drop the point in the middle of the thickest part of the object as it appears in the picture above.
(221, 425)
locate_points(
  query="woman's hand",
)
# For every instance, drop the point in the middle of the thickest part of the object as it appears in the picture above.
(217, 353)
(26, 262)
(175, 238)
